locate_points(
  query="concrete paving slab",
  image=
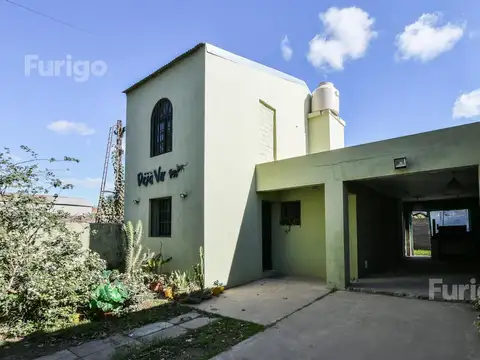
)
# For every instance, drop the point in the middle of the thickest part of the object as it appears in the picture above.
(266, 301)
(102, 355)
(91, 347)
(349, 325)
(183, 318)
(168, 333)
(120, 340)
(59, 355)
(148, 329)
(97, 346)
(198, 323)
(118, 343)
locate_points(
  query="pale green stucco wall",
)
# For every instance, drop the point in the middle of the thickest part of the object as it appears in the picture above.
(301, 252)
(436, 150)
(184, 85)
(232, 208)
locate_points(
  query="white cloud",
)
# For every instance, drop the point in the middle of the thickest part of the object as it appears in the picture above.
(347, 35)
(424, 40)
(286, 48)
(88, 182)
(467, 105)
(69, 127)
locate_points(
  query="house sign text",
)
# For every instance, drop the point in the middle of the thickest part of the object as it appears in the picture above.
(158, 175)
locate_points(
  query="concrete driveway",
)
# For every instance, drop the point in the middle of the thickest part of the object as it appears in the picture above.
(266, 301)
(349, 325)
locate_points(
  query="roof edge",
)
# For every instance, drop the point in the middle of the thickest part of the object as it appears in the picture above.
(214, 50)
(165, 67)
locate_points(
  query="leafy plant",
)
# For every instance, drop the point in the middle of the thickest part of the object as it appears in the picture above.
(46, 277)
(154, 263)
(217, 283)
(133, 248)
(181, 281)
(109, 296)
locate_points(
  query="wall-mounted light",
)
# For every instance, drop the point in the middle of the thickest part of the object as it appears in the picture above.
(400, 163)
(136, 201)
(183, 195)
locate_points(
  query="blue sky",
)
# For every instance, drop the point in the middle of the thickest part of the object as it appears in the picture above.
(398, 72)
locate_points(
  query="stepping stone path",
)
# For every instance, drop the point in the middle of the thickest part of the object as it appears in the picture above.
(103, 349)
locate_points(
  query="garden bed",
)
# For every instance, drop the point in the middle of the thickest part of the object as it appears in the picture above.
(40, 343)
(200, 344)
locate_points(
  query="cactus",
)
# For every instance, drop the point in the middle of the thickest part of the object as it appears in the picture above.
(202, 269)
(133, 248)
(198, 271)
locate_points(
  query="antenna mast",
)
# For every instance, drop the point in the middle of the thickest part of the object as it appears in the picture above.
(105, 172)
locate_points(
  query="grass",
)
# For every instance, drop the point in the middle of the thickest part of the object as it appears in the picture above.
(418, 252)
(199, 344)
(41, 343)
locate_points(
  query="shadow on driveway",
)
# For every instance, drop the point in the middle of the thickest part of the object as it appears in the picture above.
(349, 325)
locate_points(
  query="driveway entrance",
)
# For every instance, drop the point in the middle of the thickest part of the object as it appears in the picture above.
(266, 301)
(348, 325)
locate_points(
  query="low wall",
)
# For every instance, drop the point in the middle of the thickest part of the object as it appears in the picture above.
(105, 239)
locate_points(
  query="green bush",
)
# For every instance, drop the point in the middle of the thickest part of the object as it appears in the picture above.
(46, 284)
(109, 296)
(46, 277)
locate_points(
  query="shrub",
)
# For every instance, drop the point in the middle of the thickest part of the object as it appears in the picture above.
(46, 283)
(45, 276)
(109, 296)
(135, 287)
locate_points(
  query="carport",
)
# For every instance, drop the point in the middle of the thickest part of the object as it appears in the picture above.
(365, 223)
(383, 238)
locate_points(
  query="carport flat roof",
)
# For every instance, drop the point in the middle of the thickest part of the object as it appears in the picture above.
(430, 151)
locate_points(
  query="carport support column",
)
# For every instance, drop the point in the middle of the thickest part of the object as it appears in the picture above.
(479, 182)
(336, 234)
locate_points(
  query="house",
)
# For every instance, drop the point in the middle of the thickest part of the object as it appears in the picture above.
(228, 154)
(71, 205)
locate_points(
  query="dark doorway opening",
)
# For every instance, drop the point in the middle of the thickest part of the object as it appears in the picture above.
(412, 228)
(267, 235)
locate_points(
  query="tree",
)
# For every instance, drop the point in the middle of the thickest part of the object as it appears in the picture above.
(45, 274)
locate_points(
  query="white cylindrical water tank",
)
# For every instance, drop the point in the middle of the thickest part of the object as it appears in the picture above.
(326, 96)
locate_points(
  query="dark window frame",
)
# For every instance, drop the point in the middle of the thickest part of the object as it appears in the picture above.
(161, 128)
(160, 216)
(291, 213)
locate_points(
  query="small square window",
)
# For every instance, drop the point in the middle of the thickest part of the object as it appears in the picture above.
(290, 213)
(161, 217)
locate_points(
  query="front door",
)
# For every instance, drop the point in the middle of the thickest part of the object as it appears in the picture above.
(267, 235)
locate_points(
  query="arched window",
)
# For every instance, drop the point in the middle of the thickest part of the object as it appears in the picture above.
(161, 135)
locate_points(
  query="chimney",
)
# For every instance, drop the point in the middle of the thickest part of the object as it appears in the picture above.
(325, 127)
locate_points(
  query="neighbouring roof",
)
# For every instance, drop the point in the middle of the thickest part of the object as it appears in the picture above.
(69, 201)
(64, 200)
(223, 54)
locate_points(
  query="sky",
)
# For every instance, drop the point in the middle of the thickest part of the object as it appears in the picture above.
(399, 69)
